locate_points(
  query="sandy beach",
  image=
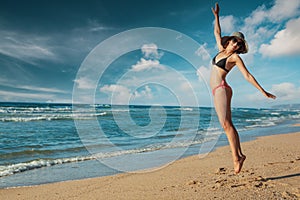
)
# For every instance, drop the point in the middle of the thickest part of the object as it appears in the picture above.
(271, 171)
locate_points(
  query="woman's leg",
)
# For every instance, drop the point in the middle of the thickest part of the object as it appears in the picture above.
(239, 144)
(234, 129)
(222, 101)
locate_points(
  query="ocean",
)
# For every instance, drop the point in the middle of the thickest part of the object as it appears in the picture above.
(43, 143)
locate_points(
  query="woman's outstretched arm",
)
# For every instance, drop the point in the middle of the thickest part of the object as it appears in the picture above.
(250, 78)
(217, 27)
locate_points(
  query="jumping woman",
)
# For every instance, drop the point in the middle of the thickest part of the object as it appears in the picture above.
(229, 49)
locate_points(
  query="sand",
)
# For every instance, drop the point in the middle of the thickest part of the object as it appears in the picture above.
(271, 171)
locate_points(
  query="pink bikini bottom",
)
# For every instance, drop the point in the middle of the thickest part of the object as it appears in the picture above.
(222, 85)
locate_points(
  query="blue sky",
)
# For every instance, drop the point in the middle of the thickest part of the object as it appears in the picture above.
(46, 48)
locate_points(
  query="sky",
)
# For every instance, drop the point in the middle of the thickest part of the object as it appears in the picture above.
(144, 52)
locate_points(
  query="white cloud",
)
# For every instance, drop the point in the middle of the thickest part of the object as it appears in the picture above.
(256, 17)
(95, 26)
(120, 94)
(40, 89)
(115, 88)
(202, 51)
(10, 84)
(265, 22)
(285, 42)
(286, 91)
(144, 64)
(283, 9)
(153, 87)
(185, 86)
(146, 93)
(84, 83)
(23, 96)
(228, 24)
(67, 46)
(179, 37)
(203, 74)
(26, 47)
(150, 60)
(151, 51)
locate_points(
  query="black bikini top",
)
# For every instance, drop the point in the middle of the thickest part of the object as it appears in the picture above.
(221, 63)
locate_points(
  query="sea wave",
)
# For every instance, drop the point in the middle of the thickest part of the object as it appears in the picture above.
(35, 164)
(186, 109)
(265, 124)
(27, 110)
(51, 117)
(172, 135)
(6, 170)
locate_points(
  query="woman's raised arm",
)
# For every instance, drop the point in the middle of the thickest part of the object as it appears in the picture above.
(217, 27)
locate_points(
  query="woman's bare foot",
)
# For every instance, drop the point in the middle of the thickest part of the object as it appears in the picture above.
(239, 164)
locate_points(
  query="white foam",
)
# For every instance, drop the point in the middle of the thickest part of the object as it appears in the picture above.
(265, 124)
(253, 120)
(22, 167)
(50, 117)
(186, 109)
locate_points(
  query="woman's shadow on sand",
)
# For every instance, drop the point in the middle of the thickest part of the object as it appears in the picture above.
(283, 177)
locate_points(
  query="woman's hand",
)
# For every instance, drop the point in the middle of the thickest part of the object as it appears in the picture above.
(269, 95)
(216, 10)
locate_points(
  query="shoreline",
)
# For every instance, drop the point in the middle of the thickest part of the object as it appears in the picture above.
(64, 173)
(271, 170)
(26, 164)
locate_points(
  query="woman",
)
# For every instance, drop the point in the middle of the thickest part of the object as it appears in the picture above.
(229, 48)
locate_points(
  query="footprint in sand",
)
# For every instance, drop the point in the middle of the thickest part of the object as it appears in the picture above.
(221, 170)
(193, 182)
